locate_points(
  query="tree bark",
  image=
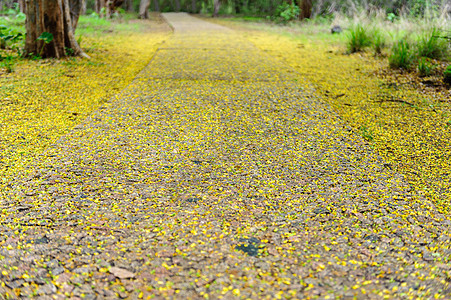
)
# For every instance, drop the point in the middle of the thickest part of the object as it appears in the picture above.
(193, 7)
(177, 5)
(83, 7)
(306, 9)
(144, 9)
(237, 5)
(22, 5)
(108, 10)
(99, 5)
(156, 5)
(75, 9)
(70, 23)
(217, 5)
(130, 7)
(52, 16)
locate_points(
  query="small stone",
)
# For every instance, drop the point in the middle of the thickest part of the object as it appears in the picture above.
(57, 271)
(193, 200)
(36, 280)
(23, 208)
(63, 278)
(372, 238)
(336, 29)
(121, 273)
(89, 297)
(26, 291)
(67, 288)
(81, 270)
(54, 263)
(427, 256)
(15, 284)
(321, 210)
(105, 293)
(47, 289)
(77, 280)
(43, 240)
(249, 246)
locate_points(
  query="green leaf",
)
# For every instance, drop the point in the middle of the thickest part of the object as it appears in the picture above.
(47, 37)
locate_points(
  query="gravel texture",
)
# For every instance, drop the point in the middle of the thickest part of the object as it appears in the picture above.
(218, 173)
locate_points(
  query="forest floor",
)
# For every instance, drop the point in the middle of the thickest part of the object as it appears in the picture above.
(225, 168)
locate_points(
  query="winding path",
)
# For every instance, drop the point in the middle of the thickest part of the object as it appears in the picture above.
(218, 171)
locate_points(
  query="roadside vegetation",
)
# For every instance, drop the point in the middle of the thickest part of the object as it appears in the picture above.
(386, 76)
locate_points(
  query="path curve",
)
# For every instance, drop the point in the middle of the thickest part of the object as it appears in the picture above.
(218, 172)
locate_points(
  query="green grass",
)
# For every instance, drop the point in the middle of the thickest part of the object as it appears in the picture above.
(12, 30)
(401, 56)
(94, 25)
(431, 44)
(379, 42)
(249, 18)
(16, 23)
(447, 75)
(366, 133)
(425, 68)
(359, 38)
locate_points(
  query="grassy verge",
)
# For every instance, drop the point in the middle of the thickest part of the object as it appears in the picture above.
(43, 99)
(405, 119)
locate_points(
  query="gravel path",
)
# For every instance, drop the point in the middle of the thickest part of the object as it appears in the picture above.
(217, 172)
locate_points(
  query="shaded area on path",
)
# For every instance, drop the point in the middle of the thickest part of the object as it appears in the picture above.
(218, 172)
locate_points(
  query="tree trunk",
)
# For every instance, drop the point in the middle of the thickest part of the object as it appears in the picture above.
(108, 12)
(22, 5)
(75, 9)
(306, 9)
(52, 16)
(156, 5)
(217, 5)
(144, 9)
(237, 6)
(177, 5)
(130, 7)
(99, 5)
(83, 7)
(193, 6)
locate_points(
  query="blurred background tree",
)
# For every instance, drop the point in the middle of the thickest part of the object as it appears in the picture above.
(257, 8)
(60, 17)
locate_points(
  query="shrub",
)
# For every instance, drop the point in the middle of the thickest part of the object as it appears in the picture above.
(8, 37)
(7, 63)
(391, 17)
(287, 12)
(447, 75)
(425, 68)
(431, 45)
(401, 56)
(358, 39)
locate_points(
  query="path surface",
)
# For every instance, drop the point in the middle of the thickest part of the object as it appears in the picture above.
(218, 172)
